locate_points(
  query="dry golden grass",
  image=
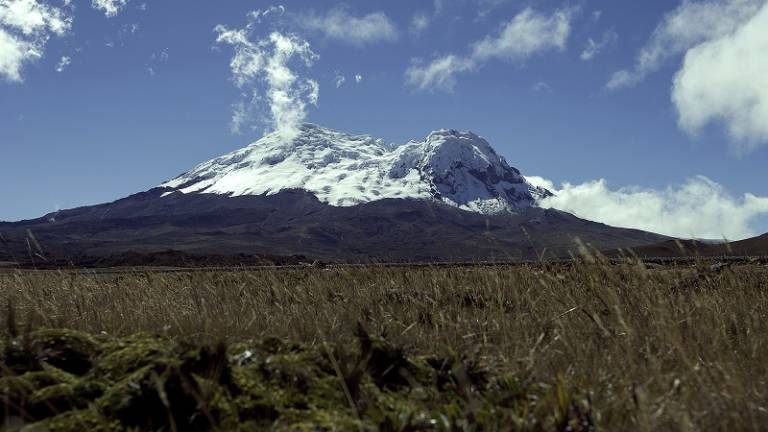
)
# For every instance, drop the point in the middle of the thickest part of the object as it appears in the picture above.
(653, 349)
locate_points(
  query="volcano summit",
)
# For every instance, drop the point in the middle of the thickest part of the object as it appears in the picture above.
(456, 168)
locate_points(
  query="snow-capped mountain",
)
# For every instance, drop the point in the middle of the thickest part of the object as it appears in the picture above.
(457, 168)
(323, 196)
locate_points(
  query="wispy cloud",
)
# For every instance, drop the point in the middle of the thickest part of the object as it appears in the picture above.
(526, 34)
(485, 7)
(271, 12)
(25, 28)
(690, 24)
(439, 74)
(593, 48)
(63, 63)
(155, 60)
(266, 70)
(541, 87)
(699, 208)
(339, 80)
(420, 22)
(342, 26)
(523, 36)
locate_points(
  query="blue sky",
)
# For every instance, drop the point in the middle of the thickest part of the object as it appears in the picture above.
(116, 96)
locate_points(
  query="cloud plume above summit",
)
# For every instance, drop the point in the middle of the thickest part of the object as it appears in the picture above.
(268, 71)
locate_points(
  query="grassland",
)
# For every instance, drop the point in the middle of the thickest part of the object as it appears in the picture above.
(588, 346)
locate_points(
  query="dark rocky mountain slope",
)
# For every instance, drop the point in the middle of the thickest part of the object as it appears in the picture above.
(296, 223)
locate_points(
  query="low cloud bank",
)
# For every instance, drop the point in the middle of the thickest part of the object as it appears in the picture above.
(699, 208)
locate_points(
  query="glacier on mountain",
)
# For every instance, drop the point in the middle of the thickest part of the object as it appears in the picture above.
(460, 169)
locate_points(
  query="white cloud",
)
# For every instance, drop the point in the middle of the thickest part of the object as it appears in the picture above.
(110, 7)
(13, 54)
(690, 24)
(526, 34)
(63, 63)
(339, 80)
(593, 48)
(440, 74)
(266, 72)
(30, 17)
(338, 24)
(25, 28)
(700, 208)
(419, 23)
(726, 80)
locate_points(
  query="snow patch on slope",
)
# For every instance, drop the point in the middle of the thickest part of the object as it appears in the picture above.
(457, 168)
